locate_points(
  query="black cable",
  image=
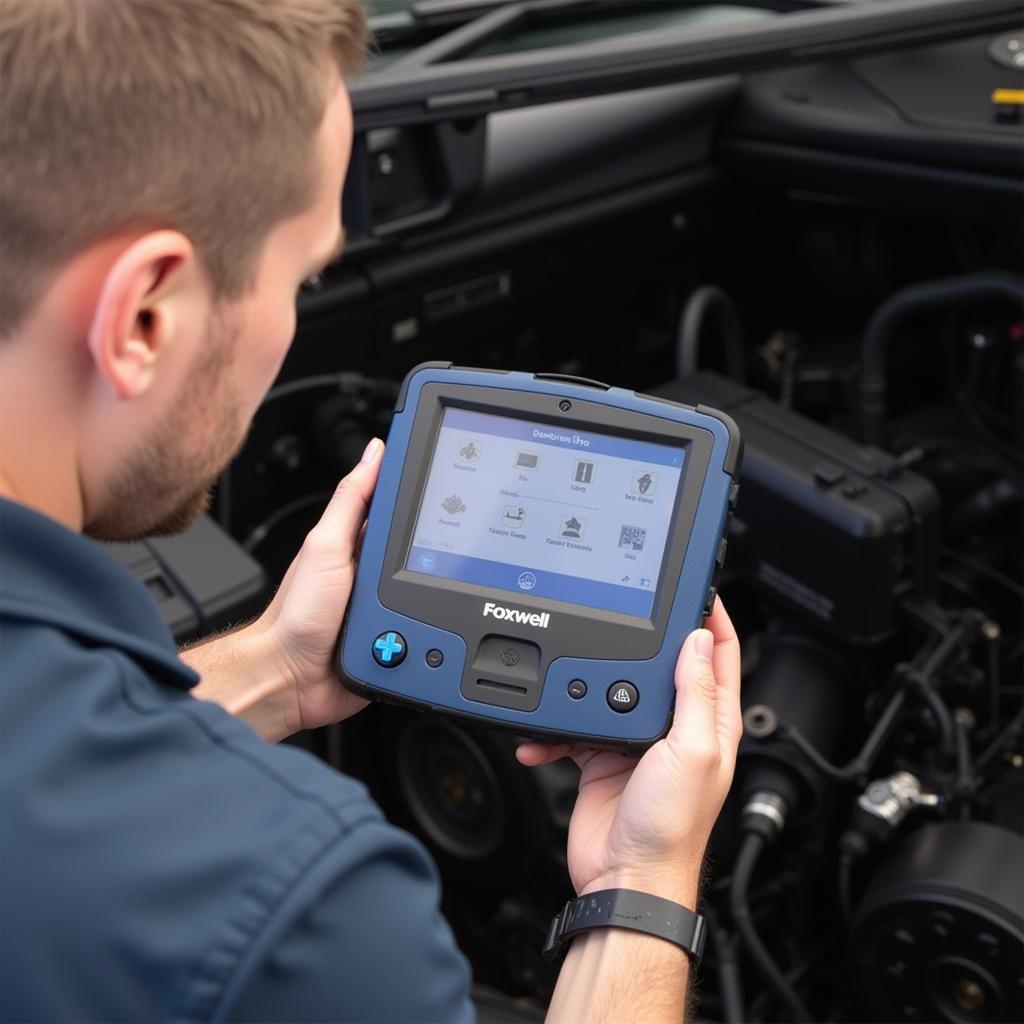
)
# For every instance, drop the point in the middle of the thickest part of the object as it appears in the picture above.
(727, 968)
(967, 403)
(900, 307)
(258, 534)
(964, 785)
(937, 706)
(995, 748)
(846, 886)
(326, 380)
(845, 773)
(1014, 655)
(855, 769)
(705, 300)
(746, 861)
(984, 570)
(992, 634)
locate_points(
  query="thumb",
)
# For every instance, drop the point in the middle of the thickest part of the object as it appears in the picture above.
(337, 533)
(696, 693)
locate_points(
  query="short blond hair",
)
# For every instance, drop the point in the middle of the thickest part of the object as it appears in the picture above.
(199, 115)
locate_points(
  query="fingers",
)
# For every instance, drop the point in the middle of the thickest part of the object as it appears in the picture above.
(694, 729)
(726, 656)
(337, 533)
(533, 753)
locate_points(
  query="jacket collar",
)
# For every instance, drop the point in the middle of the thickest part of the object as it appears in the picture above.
(49, 574)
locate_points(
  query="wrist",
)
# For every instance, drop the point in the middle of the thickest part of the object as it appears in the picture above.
(244, 673)
(679, 883)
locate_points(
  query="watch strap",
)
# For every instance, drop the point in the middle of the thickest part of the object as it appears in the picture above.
(625, 908)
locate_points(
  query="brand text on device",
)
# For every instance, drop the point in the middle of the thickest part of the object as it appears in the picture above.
(540, 619)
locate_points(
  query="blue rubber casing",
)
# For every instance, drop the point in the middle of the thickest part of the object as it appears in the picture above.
(558, 716)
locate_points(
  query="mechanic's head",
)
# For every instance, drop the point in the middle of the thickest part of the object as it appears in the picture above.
(170, 172)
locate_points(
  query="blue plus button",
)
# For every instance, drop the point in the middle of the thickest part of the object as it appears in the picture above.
(389, 649)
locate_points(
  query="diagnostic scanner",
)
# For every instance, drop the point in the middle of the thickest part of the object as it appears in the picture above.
(537, 549)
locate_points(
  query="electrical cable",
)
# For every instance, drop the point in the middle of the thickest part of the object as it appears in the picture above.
(1014, 655)
(258, 534)
(845, 886)
(746, 861)
(995, 748)
(900, 307)
(326, 380)
(964, 785)
(968, 406)
(857, 768)
(921, 681)
(705, 300)
(984, 570)
(730, 985)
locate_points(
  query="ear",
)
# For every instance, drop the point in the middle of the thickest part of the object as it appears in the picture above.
(137, 316)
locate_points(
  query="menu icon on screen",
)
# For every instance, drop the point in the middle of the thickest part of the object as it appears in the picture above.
(469, 450)
(527, 460)
(645, 482)
(513, 516)
(573, 527)
(584, 472)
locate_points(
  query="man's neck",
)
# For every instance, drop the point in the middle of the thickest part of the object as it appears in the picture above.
(38, 453)
(44, 494)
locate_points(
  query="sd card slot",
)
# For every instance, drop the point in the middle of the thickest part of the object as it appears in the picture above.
(490, 684)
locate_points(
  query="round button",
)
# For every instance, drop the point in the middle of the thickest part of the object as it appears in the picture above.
(622, 696)
(389, 649)
(434, 657)
(577, 689)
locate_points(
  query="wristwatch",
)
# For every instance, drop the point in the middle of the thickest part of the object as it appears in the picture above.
(624, 908)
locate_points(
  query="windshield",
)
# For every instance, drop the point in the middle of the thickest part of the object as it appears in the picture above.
(394, 23)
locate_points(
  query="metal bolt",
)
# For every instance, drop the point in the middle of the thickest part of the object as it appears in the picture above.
(964, 717)
(970, 995)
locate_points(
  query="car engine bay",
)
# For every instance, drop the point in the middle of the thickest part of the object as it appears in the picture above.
(830, 250)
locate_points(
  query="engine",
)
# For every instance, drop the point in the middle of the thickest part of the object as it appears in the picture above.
(857, 308)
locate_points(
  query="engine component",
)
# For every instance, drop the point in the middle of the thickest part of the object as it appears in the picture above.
(878, 522)
(939, 933)
(799, 685)
(451, 789)
(201, 579)
(898, 308)
(890, 800)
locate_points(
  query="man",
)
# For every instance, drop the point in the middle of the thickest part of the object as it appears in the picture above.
(169, 173)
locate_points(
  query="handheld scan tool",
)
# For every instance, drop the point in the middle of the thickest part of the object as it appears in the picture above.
(537, 549)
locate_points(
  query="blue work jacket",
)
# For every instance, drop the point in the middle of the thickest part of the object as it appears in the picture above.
(158, 860)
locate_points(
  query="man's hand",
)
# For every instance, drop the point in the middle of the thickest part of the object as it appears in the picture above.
(644, 825)
(278, 672)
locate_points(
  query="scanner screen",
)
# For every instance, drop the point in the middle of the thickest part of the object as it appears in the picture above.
(543, 510)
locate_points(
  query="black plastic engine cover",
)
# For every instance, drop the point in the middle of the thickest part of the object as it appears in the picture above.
(832, 529)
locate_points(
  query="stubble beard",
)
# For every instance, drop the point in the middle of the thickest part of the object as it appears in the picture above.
(166, 484)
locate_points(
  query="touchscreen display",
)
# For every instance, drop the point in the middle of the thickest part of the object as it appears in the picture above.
(543, 510)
